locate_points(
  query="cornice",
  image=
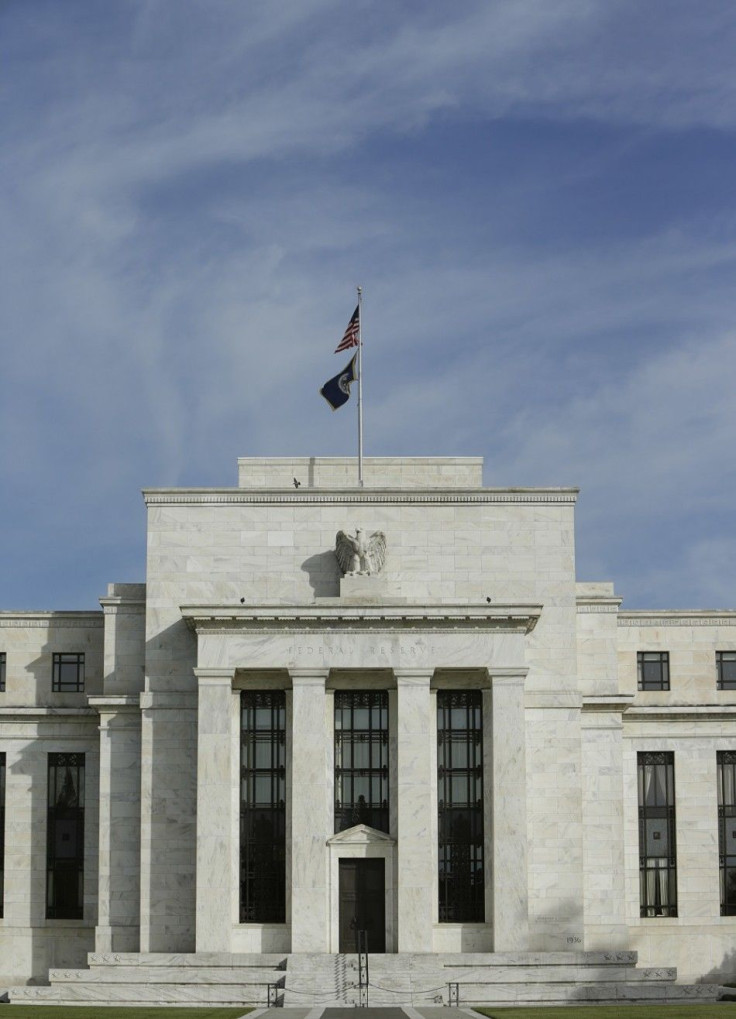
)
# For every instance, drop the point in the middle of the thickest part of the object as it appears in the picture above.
(680, 713)
(365, 618)
(358, 496)
(24, 713)
(678, 617)
(93, 618)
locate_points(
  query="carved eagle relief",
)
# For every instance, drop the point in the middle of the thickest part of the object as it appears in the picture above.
(360, 554)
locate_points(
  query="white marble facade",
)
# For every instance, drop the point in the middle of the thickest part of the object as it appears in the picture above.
(478, 591)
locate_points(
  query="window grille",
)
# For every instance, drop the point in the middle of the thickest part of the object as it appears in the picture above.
(726, 761)
(657, 843)
(361, 759)
(2, 831)
(65, 837)
(726, 669)
(460, 805)
(653, 670)
(263, 807)
(68, 674)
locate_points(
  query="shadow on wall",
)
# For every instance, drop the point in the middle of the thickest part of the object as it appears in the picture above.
(324, 574)
(724, 973)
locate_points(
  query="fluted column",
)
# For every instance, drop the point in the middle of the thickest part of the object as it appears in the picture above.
(507, 805)
(415, 850)
(311, 794)
(216, 853)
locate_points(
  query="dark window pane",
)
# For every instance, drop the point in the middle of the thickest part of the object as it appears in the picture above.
(460, 803)
(68, 673)
(726, 669)
(361, 759)
(262, 807)
(657, 852)
(2, 678)
(65, 837)
(653, 669)
(2, 830)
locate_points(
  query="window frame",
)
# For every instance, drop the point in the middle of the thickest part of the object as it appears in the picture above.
(65, 820)
(262, 850)
(721, 682)
(657, 818)
(62, 660)
(460, 860)
(3, 670)
(726, 813)
(372, 774)
(645, 659)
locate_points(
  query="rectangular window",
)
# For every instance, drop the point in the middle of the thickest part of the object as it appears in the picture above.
(460, 805)
(361, 759)
(726, 669)
(65, 838)
(657, 849)
(263, 806)
(2, 671)
(726, 760)
(2, 831)
(653, 670)
(68, 676)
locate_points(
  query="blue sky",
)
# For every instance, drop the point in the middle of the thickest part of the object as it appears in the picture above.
(538, 197)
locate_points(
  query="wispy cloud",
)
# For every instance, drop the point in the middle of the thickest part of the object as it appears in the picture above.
(194, 189)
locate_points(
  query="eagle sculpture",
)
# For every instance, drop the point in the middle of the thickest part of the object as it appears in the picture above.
(360, 554)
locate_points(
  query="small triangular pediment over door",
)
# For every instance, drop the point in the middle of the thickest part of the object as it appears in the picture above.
(360, 835)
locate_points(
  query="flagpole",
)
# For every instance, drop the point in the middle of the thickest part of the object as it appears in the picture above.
(360, 386)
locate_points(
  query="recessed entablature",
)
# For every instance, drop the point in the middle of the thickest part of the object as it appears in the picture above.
(282, 618)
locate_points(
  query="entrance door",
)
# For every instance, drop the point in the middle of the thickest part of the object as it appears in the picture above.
(362, 904)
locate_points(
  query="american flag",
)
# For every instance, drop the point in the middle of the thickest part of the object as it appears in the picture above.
(352, 333)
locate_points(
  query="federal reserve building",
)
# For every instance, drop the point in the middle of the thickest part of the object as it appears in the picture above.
(341, 723)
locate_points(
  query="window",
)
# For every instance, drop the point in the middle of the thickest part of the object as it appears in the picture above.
(65, 837)
(726, 668)
(2, 830)
(653, 669)
(460, 805)
(263, 806)
(726, 760)
(68, 674)
(361, 759)
(2, 671)
(657, 851)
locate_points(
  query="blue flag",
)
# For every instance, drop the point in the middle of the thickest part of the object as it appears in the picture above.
(337, 390)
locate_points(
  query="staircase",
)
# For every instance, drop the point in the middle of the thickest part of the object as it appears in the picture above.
(309, 980)
(130, 978)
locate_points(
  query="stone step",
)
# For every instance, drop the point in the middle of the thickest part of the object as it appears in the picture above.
(332, 980)
(168, 974)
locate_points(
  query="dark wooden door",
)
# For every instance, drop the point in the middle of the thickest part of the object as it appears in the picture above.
(362, 904)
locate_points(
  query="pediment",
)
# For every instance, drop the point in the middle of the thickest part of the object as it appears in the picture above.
(360, 835)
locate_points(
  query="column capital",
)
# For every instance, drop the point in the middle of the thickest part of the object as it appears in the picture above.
(213, 675)
(309, 677)
(413, 677)
(514, 676)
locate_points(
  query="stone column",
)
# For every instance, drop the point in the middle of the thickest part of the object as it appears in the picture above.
(505, 803)
(417, 879)
(118, 918)
(216, 886)
(310, 799)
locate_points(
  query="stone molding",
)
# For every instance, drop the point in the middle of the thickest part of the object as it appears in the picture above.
(342, 618)
(618, 702)
(227, 497)
(88, 619)
(680, 713)
(675, 617)
(24, 714)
